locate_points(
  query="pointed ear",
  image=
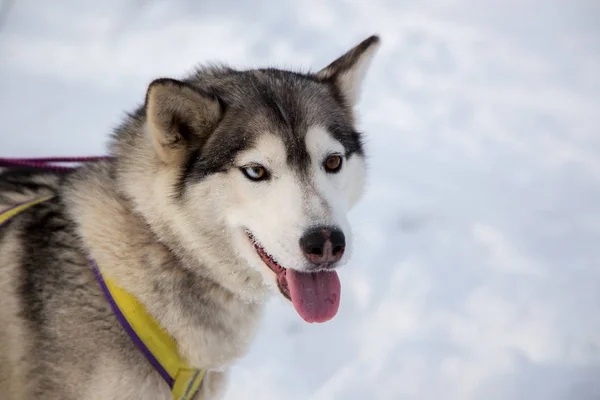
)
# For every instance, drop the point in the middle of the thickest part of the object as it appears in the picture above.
(179, 116)
(348, 71)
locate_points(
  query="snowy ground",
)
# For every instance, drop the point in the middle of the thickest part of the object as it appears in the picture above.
(476, 273)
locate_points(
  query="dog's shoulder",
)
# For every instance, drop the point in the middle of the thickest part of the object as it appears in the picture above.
(60, 316)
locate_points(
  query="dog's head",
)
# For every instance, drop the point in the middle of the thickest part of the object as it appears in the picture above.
(265, 163)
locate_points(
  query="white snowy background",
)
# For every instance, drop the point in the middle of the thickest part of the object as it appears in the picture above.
(476, 273)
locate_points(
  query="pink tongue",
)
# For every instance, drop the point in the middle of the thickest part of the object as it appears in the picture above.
(315, 295)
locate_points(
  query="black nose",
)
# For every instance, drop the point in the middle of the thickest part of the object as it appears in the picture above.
(323, 245)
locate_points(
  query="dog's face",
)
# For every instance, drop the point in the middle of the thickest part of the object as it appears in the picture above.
(273, 160)
(287, 212)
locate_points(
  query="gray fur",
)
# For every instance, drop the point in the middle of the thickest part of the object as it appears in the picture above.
(147, 218)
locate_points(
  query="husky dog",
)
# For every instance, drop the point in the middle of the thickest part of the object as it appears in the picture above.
(223, 186)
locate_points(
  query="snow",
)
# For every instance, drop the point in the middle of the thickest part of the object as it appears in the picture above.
(475, 274)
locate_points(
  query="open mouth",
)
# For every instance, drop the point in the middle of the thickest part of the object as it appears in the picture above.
(280, 272)
(315, 295)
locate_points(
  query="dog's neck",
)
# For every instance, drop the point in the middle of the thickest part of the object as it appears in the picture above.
(212, 323)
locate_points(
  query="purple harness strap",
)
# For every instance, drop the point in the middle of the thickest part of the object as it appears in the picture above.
(127, 327)
(47, 162)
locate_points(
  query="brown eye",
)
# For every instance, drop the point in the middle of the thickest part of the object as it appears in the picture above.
(255, 172)
(333, 163)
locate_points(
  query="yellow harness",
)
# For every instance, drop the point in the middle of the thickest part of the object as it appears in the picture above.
(159, 348)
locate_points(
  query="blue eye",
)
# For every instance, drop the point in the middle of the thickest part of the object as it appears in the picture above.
(255, 172)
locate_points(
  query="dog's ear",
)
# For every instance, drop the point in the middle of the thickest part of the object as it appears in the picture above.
(348, 71)
(179, 116)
